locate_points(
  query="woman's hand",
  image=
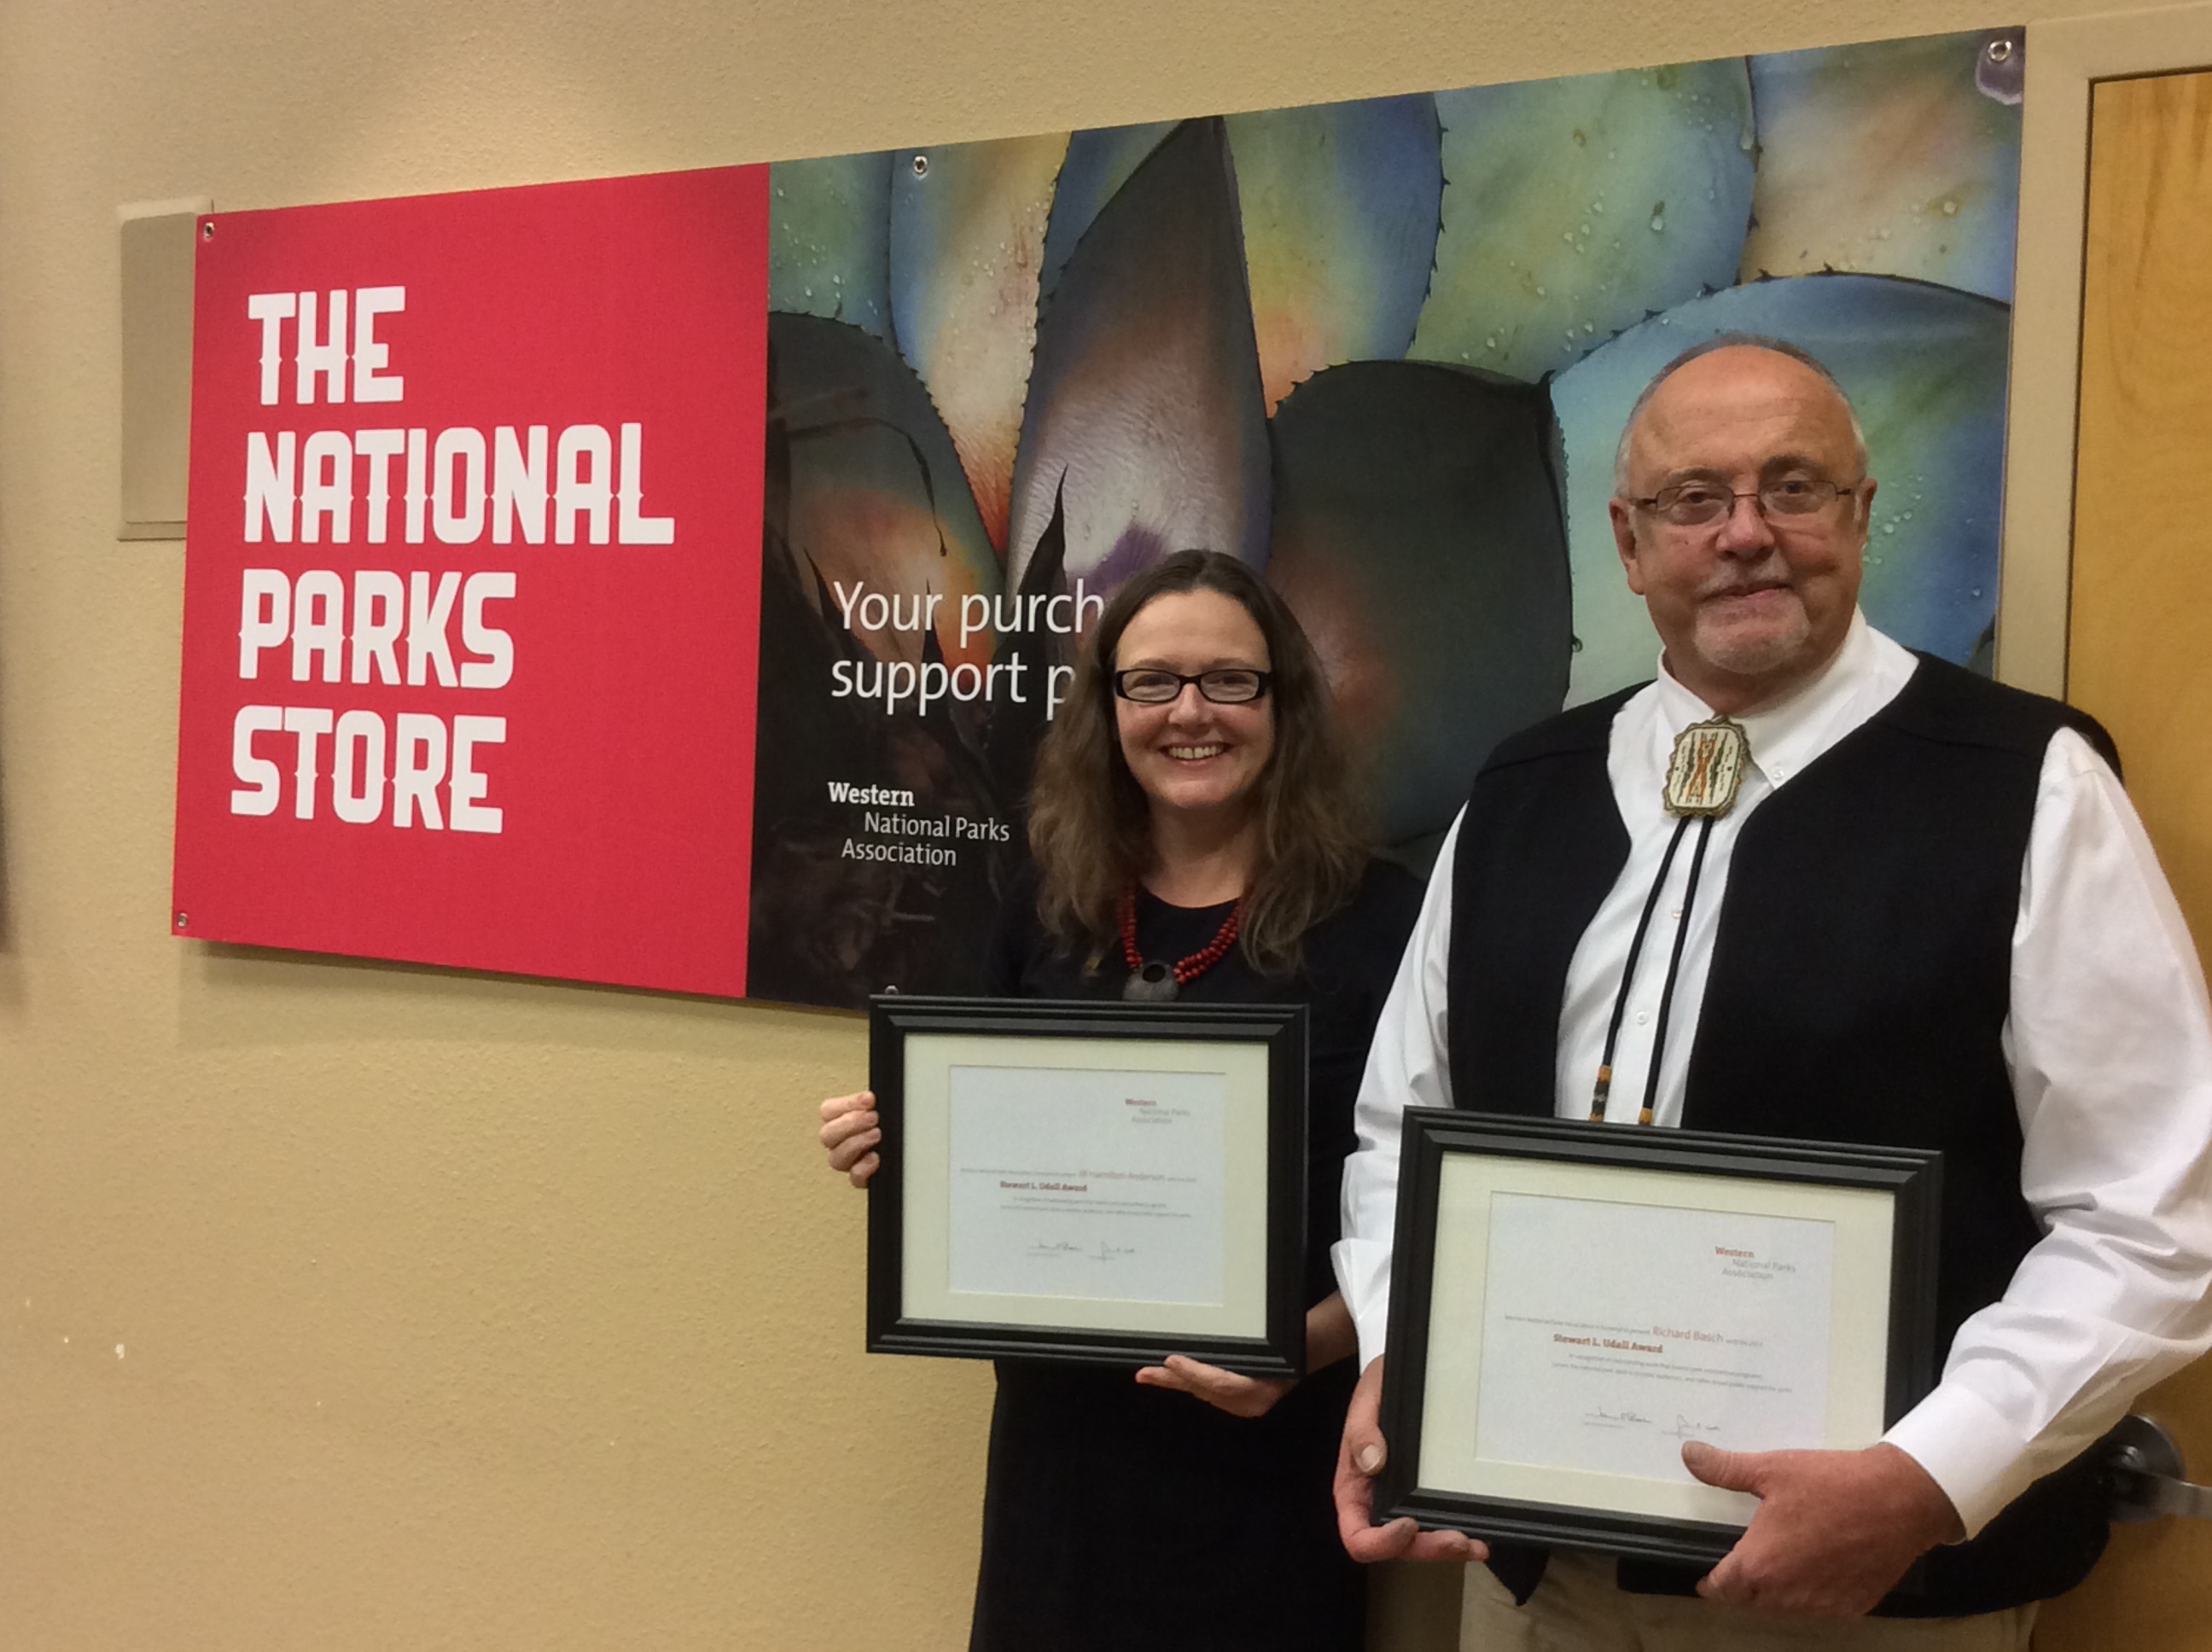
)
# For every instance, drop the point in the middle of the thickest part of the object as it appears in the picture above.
(1240, 1396)
(1329, 1338)
(850, 1131)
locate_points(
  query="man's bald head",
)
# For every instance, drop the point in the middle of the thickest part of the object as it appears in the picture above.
(1732, 340)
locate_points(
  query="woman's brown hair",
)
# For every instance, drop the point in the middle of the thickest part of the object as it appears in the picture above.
(1089, 822)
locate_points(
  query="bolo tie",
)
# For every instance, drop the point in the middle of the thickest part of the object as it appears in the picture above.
(1702, 775)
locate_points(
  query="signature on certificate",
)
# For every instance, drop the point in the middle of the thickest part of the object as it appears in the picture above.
(1102, 1252)
(1600, 1417)
(1682, 1428)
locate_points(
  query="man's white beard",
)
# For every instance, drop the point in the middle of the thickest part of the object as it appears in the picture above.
(1756, 655)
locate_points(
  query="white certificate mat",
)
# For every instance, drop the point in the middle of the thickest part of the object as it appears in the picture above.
(1107, 1184)
(1623, 1310)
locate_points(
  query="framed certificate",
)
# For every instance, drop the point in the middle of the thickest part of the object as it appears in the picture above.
(1572, 1302)
(1106, 1182)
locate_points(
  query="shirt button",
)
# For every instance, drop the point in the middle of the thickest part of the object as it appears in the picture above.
(1642, 1017)
(1677, 915)
(1778, 772)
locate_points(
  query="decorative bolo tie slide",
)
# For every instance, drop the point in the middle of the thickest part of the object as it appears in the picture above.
(1703, 775)
(1707, 766)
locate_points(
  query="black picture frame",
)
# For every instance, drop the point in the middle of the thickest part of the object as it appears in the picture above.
(1911, 1177)
(1029, 1026)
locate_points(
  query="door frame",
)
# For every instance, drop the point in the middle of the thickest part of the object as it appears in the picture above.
(2066, 57)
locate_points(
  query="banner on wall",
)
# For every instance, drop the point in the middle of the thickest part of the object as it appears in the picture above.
(473, 576)
(910, 418)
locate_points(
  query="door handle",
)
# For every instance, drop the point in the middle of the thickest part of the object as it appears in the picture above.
(2144, 1474)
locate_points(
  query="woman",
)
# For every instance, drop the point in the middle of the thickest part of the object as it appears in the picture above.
(1192, 821)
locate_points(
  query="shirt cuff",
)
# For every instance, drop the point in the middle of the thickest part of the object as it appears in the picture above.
(1362, 1274)
(1970, 1451)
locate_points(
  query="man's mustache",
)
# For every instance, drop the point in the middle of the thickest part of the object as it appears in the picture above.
(1741, 582)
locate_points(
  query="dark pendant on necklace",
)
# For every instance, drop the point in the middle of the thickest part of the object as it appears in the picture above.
(1150, 983)
(1154, 981)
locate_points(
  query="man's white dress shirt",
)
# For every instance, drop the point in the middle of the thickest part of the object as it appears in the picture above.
(2109, 1043)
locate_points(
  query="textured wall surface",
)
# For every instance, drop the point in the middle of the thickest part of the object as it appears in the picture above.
(353, 1306)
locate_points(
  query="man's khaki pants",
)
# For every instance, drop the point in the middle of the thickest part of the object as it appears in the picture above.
(1578, 1608)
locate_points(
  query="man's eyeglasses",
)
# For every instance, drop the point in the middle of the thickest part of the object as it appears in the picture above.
(1700, 504)
(1230, 685)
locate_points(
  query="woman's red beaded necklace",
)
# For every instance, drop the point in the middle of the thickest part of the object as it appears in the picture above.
(1157, 981)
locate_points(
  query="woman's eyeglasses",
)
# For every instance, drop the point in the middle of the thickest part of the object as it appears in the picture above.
(1228, 685)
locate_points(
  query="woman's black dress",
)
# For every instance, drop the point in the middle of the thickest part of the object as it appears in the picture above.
(1123, 1517)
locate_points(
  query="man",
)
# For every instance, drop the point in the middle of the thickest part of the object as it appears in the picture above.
(1927, 917)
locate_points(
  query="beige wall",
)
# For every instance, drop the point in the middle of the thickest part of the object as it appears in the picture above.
(346, 1306)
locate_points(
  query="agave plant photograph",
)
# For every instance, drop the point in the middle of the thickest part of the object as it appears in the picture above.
(1380, 350)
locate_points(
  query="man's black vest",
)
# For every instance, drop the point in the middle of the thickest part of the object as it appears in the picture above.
(1860, 981)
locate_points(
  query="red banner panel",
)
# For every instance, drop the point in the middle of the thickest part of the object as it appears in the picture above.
(471, 595)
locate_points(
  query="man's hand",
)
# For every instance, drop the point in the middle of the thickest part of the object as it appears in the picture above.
(1359, 1460)
(1834, 1531)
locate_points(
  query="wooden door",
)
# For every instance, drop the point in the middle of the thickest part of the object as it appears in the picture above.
(2139, 658)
